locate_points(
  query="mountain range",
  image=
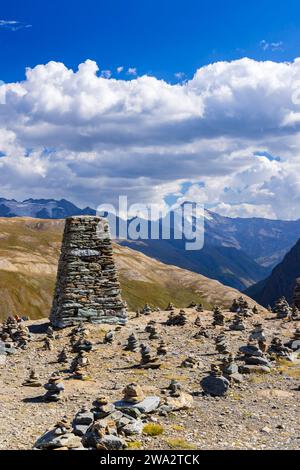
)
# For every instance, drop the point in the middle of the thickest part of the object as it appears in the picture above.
(281, 282)
(29, 253)
(238, 252)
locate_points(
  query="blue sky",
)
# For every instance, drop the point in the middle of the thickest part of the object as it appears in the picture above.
(157, 37)
(162, 101)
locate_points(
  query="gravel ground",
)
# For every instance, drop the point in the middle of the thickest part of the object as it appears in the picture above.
(261, 413)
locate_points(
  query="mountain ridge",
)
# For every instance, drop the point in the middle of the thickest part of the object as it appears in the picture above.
(281, 282)
(238, 252)
(29, 253)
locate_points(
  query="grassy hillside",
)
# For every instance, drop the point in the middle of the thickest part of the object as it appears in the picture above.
(29, 251)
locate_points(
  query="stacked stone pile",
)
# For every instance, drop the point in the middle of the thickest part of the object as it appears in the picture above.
(162, 348)
(237, 323)
(221, 344)
(282, 309)
(147, 360)
(147, 310)
(14, 334)
(54, 388)
(218, 317)
(255, 360)
(278, 350)
(33, 380)
(132, 343)
(87, 287)
(215, 383)
(177, 320)
(242, 307)
(294, 343)
(63, 356)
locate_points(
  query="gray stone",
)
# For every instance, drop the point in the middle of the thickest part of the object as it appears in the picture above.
(251, 350)
(257, 361)
(50, 440)
(112, 442)
(215, 386)
(249, 369)
(132, 412)
(148, 405)
(80, 429)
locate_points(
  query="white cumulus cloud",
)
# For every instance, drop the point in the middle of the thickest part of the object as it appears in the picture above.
(230, 135)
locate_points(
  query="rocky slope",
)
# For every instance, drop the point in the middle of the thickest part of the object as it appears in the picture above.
(262, 412)
(281, 282)
(29, 251)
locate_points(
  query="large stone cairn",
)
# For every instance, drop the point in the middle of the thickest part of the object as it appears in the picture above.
(87, 287)
(282, 308)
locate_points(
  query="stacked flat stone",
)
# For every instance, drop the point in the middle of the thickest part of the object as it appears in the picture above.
(199, 308)
(282, 309)
(258, 334)
(295, 314)
(32, 381)
(241, 306)
(177, 320)
(190, 363)
(147, 310)
(198, 322)
(132, 343)
(15, 332)
(147, 360)
(63, 357)
(153, 333)
(82, 344)
(215, 383)
(201, 333)
(87, 287)
(294, 343)
(218, 317)
(48, 345)
(81, 361)
(237, 323)
(255, 310)
(54, 388)
(162, 348)
(230, 369)
(255, 361)
(109, 337)
(150, 325)
(221, 344)
(50, 332)
(278, 349)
